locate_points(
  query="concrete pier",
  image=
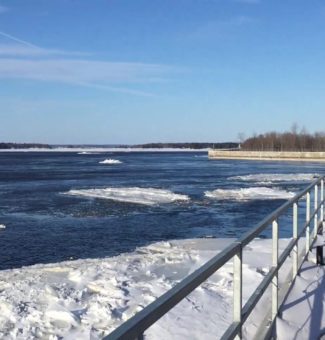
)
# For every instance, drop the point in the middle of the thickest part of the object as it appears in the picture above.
(268, 155)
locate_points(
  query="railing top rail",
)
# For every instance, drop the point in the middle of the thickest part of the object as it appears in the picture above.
(250, 235)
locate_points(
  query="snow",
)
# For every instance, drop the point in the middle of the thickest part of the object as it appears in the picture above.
(110, 161)
(253, 193)
(303, 315)
(89, 298)
(146, 196)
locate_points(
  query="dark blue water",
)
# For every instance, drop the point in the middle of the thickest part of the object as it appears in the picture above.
(45, 225)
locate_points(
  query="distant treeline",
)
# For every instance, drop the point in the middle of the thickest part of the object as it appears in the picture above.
(286, 141)
(24, 146)
(187, 145)
(144, 146)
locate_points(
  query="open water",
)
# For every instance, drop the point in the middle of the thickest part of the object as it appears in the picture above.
(57, 206)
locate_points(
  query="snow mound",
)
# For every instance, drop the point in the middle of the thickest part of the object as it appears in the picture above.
(110, 161)
(244, 194)
(146, 196)
(269, 178)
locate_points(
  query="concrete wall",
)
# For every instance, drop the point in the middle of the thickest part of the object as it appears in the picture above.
(267, 155)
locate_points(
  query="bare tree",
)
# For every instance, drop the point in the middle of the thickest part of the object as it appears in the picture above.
(286, 141)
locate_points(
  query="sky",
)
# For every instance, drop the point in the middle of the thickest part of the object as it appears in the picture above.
(126, 71)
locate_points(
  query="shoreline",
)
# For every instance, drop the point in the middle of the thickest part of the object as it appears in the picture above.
(100, 150)
(310, 156)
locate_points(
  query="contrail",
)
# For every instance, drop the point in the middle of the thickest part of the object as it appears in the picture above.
(26, 43)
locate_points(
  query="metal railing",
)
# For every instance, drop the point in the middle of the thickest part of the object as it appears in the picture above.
(135, 327)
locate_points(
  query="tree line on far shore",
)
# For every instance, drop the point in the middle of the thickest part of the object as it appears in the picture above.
(286, 141)
(194, 145)
(7, 146)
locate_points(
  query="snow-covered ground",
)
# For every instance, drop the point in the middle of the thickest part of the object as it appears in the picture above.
(87, 299)
(303, 312)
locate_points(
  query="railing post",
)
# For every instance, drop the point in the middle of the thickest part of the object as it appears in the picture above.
(319, 250)
(238, 289)
(322, 198)
(307, 220)
(316, 214)
(295, 236)
(275, 250)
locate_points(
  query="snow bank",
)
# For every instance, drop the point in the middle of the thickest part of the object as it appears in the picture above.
(110, 161)
(86, 299)
(253, 193)
(146, 196)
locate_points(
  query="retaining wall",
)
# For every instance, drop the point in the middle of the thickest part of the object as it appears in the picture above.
(268, 155)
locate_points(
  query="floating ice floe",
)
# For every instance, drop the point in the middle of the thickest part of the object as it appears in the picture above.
(110, 161)
(269, 178)
(253, 193)
(147, 196)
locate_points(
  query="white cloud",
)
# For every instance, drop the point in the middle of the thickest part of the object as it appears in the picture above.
(24, 60)
(25, 48)
(17, 40)
(19, 50)
(97, 74)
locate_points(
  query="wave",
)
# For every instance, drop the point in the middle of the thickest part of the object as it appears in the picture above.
(2, 226)
(245, 194)
(110, 161)
(269, 178)
(146, 196)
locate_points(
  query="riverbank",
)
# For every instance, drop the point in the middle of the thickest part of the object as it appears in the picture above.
(89, 298)
(268, 155)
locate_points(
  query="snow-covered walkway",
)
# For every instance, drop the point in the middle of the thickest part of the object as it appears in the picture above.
(303, 311)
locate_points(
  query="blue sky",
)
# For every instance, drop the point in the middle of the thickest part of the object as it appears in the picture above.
(126, 71)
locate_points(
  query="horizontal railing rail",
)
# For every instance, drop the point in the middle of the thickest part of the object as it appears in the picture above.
(135, 327)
